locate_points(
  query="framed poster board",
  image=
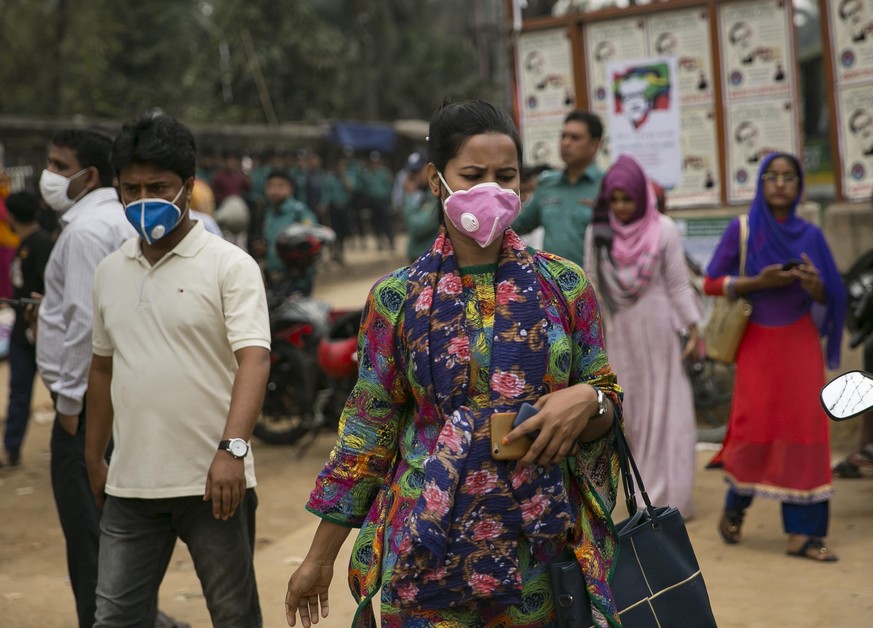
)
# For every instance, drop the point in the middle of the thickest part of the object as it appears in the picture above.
(855, 128)
(754, 130)
(757, 55)
(546, 92)
(851, 38)
(614, 40)
(685, 35)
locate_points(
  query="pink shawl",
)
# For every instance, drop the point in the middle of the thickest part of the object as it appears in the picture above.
(627, 268)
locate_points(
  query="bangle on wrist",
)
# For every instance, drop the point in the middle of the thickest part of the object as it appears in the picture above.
(730, 287)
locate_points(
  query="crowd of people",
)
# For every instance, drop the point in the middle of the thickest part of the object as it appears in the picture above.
(591, 327)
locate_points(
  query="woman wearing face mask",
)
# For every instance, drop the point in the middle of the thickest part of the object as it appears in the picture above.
(477, 324)
(635, 256)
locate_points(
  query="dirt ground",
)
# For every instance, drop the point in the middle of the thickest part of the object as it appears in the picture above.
(752, 584)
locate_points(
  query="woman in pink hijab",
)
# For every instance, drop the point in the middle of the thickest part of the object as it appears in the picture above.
(634, 255)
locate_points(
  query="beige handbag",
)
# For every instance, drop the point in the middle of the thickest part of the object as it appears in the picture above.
(729, 317)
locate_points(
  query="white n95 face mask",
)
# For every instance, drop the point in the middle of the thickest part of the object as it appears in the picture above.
(53, 187)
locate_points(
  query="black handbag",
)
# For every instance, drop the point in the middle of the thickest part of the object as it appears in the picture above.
(656, 583)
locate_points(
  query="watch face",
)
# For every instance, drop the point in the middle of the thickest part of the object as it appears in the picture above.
(238, 447)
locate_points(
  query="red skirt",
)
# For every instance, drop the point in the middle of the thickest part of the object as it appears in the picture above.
(778, 440)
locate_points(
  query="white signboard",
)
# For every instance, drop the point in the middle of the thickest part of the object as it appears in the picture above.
(643, 114)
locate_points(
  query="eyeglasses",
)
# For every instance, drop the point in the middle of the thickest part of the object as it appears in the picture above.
(787, 179)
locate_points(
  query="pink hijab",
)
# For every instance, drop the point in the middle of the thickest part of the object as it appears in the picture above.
(630, 263)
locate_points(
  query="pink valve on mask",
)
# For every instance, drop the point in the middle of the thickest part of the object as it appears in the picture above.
(483, 212)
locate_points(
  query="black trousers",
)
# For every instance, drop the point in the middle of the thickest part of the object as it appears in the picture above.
(79, 515)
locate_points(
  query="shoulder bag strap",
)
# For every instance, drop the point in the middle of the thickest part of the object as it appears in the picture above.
(744, 242)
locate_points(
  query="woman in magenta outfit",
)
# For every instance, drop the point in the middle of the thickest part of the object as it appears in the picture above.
(777, 444)
(477, 324)
(634, 254)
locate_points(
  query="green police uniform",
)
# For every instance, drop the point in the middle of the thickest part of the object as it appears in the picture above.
(564, 210)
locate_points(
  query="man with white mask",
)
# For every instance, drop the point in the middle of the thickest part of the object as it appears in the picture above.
(77, 183)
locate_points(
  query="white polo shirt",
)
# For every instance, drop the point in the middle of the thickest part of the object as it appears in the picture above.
(171, 330)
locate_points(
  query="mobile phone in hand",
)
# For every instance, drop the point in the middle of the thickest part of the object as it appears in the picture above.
(525, 412)
(792, 263)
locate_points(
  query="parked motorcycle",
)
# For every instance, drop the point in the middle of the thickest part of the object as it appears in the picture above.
(313, 359)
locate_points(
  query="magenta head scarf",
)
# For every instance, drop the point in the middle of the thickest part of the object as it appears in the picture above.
(631, 260)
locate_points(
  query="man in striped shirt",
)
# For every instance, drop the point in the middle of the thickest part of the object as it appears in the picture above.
(77, 183)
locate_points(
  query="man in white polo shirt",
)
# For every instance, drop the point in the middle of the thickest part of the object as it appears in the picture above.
(181, 359)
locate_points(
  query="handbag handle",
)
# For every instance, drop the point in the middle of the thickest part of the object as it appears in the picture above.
(630, 473)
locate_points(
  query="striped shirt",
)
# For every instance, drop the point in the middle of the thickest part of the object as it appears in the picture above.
(93, 228)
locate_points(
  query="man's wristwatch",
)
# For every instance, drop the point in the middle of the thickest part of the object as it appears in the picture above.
(602, 404)
(236, 447)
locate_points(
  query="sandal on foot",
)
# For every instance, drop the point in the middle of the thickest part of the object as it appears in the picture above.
(846, 470)
(730, 525)
(862, 460)
(815, 549)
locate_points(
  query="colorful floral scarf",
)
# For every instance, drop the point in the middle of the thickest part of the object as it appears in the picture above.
(464, 529)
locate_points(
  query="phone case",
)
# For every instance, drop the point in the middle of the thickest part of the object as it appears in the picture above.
(501, 425)
(525, 412)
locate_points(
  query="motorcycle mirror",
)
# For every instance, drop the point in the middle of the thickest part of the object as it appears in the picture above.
(848, 396)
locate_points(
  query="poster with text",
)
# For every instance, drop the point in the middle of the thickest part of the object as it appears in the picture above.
(685, 35)
(605, 42)
(851, 29)
(855, 104)
(701, 184)
(545, 74)
(756, 49)
(541, 139)
(753, 131)
(643, 116)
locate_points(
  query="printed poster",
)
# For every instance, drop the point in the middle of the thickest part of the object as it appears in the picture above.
(545, 72)
(856, 140)
(754, 130)
(605, 42)
(685, 36)
(756, 49)
(701, 183)
(541, 139)
(546, 93)
(643, 116)
(851, 29)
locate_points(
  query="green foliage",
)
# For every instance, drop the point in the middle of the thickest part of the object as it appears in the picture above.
(306, 60)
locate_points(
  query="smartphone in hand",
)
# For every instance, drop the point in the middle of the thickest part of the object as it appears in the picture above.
(791, 264)
(525, 412)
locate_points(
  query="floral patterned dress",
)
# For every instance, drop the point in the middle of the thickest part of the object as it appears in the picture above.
(374, 478)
